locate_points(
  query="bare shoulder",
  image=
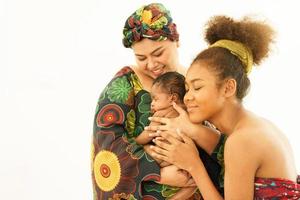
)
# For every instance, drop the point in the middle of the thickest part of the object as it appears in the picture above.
(244, 144)
(242, 138)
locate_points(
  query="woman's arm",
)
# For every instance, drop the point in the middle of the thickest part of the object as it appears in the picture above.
(145, 137)
(184, 193)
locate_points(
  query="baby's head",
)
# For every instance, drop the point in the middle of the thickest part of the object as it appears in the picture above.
(167, 88)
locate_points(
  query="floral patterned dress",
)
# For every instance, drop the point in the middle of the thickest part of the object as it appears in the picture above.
(276, 189)
(120, 167)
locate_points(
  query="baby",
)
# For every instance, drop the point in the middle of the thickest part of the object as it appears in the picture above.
(166, 89)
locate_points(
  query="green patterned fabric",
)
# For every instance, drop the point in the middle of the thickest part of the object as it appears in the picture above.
(152, 21)
(121, 169)
(119, 165)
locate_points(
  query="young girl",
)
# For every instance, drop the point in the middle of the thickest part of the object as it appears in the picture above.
(258, 158)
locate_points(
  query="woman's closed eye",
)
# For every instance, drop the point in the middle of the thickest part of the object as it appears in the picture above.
(157, 54)
(141, 58)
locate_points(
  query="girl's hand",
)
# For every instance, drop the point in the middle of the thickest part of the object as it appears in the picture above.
(171, 124)
(183, 154)
(205, 137)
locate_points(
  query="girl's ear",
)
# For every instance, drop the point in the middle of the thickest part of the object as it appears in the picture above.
(229, 87)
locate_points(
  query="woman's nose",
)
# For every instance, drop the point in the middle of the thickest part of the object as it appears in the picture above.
(151, 64)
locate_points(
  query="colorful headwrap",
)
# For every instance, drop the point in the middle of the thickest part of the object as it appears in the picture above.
(238, 49)
(152, 21)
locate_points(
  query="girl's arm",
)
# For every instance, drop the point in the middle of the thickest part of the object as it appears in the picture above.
(242, 159)
(185, 156)
(241, 163)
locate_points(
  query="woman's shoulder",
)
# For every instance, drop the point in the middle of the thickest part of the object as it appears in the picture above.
(126, 70)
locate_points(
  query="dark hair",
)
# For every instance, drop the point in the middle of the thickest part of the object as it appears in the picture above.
(255, 35)
(173, 83)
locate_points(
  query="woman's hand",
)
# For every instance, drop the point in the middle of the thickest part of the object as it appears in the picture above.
(183, 154)
(150, 151)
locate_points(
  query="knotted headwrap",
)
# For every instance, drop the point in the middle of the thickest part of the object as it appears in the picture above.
(238, 49)
(153, 21)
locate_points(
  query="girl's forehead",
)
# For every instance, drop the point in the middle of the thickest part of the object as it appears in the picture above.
(198, 72)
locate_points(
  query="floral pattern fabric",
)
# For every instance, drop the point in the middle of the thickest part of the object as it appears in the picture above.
(119, 165)
(121, 169)
(152, 21)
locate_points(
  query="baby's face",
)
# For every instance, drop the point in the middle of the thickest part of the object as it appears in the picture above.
(160, 99)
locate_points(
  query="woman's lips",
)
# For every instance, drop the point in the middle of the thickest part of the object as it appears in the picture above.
(158, 72)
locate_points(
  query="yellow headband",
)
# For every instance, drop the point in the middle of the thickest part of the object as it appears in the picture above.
(238, 49)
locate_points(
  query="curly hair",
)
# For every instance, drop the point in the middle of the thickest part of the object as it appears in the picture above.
(255, 35)
(173, 83)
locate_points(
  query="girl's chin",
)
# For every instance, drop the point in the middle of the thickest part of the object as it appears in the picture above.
(196, 119)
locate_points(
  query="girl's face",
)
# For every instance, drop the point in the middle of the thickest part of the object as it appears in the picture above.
(155, 58)
(203, 98)
(160, 99)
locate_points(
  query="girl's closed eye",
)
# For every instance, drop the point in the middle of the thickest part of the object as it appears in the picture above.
(197, 88)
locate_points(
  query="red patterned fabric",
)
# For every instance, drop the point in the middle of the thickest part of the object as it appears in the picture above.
(276, 189)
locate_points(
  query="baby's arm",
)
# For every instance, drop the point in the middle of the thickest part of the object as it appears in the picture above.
(144, 137)
(173, 176)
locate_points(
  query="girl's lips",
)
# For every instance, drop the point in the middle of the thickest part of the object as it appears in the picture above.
(191, 108)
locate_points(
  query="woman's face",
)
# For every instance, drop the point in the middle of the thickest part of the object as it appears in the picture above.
(160, 99)
(156, 57)
(203, 97)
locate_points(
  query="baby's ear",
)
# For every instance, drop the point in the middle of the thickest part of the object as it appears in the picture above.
(174, 97)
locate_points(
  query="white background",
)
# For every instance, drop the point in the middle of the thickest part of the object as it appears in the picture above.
(56, 56)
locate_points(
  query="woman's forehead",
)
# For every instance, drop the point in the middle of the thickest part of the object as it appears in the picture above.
(147, 46)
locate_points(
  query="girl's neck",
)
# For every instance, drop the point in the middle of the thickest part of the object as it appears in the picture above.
(229, 118)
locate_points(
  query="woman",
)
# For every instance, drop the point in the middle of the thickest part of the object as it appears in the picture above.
(258, 158)
(120, 167)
